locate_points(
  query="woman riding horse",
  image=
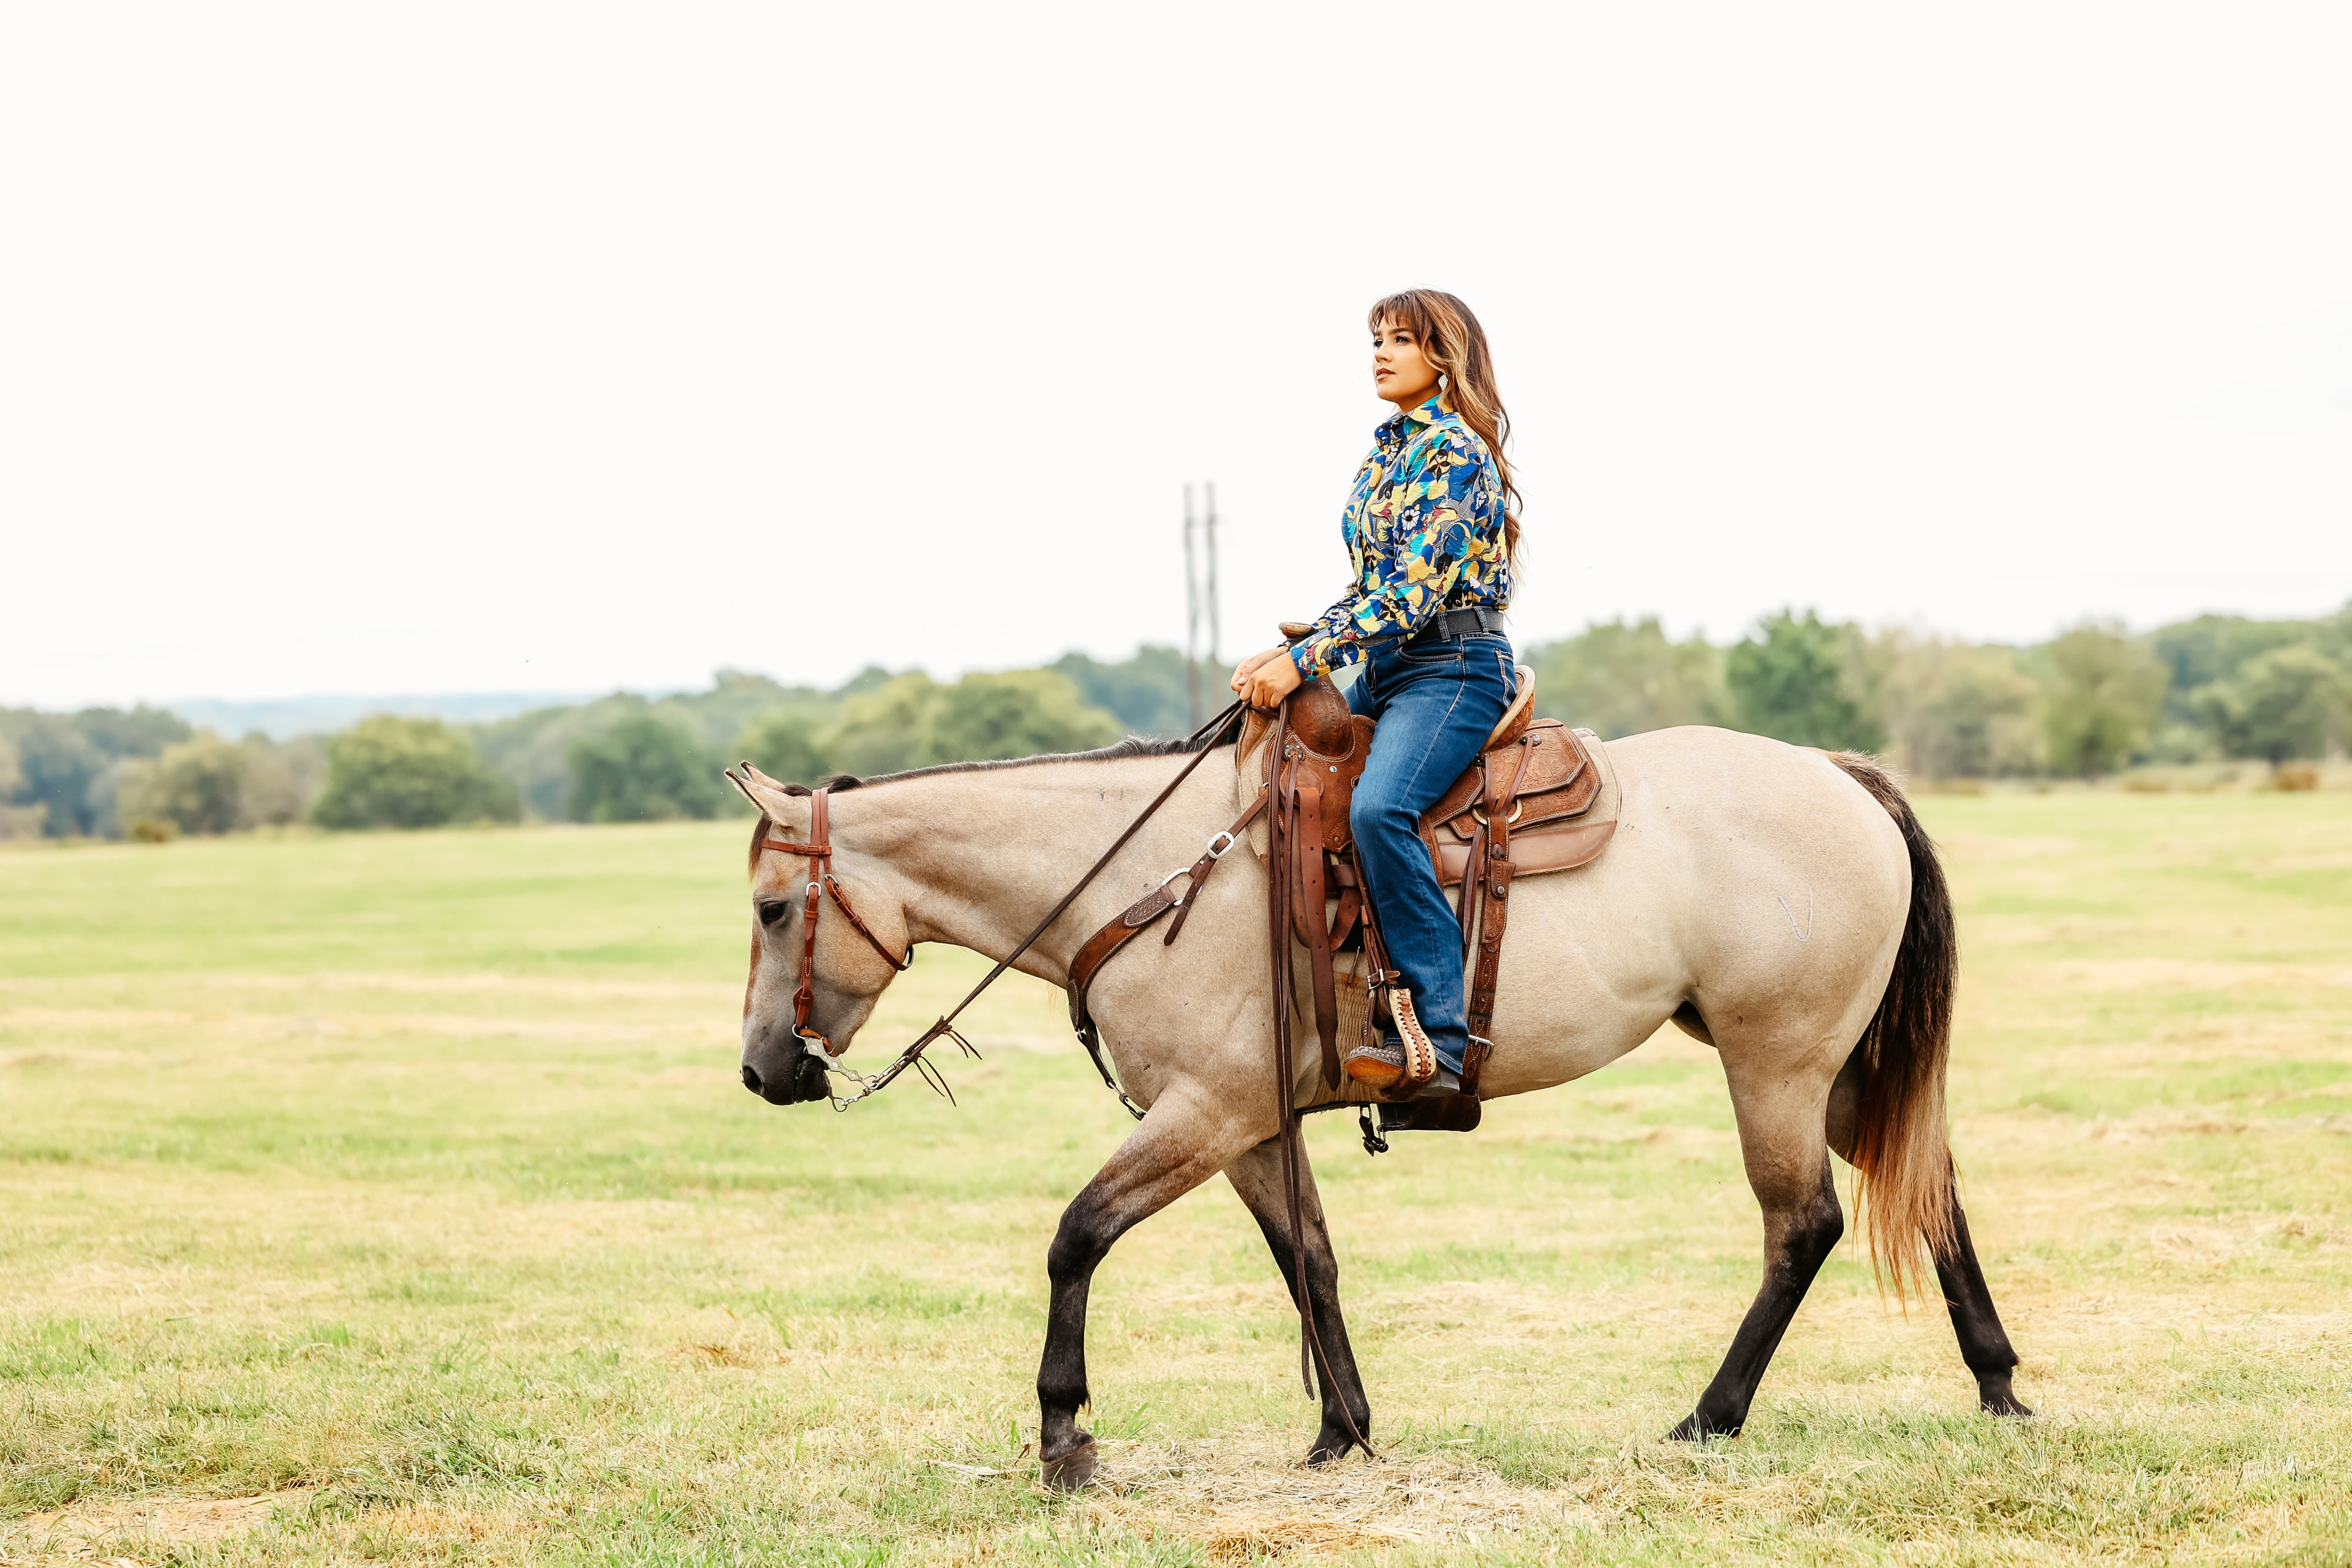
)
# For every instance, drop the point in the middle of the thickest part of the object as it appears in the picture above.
(1431, 532)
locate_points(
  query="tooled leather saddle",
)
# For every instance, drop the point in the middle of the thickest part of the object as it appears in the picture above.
(1524, 808)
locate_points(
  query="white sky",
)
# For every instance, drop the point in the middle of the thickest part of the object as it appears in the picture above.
(492, 347)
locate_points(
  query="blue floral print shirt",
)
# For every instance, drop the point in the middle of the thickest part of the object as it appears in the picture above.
(1424, 528)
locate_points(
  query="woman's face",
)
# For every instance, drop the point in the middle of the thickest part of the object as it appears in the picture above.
(1401, 373)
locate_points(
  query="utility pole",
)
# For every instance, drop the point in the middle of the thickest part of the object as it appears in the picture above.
(1192, 610)
(1215, 663)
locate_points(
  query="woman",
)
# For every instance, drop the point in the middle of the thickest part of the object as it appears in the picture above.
(1430, 529)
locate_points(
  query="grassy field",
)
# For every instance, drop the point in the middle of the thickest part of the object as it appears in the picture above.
(392, 1199)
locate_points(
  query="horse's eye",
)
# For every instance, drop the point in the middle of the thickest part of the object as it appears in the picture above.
(774, 911)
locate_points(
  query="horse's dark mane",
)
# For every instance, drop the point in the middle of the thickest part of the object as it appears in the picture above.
(1133, 746)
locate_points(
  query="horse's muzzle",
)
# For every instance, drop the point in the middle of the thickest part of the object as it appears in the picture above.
(797, 1078)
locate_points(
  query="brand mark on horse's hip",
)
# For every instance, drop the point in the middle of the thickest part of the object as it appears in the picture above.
(1804, 932)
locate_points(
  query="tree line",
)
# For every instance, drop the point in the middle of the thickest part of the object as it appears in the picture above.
(2090, 702)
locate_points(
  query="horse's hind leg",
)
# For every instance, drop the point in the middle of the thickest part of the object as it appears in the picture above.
(1176, 1148)
(1257, 1177)
(1984, 1345)
(1788, 1165)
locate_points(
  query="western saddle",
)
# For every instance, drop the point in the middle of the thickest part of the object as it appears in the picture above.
(1524, 808)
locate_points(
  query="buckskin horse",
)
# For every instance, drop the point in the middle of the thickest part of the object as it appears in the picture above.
(1781, 903)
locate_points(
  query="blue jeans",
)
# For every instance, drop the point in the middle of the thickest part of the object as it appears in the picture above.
(1436, 705)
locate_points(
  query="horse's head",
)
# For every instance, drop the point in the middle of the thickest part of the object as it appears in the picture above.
(849, 971)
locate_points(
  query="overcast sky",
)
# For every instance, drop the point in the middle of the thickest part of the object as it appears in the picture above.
(483, 347)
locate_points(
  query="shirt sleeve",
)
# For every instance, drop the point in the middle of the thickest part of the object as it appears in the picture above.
(1407, 575)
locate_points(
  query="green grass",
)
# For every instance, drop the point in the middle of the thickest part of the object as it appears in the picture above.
(407, 1178)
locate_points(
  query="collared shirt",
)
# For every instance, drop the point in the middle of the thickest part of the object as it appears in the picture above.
(1424, 528)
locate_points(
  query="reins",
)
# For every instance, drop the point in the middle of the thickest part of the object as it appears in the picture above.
(1282, 824)
(819, 854)
(1283, 821)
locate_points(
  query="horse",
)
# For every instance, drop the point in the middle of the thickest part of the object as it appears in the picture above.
(1781, 903)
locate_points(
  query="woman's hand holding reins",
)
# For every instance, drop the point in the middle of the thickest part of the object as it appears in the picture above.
(1265, 679)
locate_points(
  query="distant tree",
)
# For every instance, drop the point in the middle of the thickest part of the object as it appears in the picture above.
(282, 778)
(1804, 681)
(530, 748)
(387, 771)
(533, 749)
(15, 821)
(56, 765)
(2101, 693)
(1145, 693)
(913, 722)
(67, 762)
(197, 786)
(1620, 677)
(737, 699)
(644, 767)
(2333, 637)
(2212, 650)
(141, 732)
(888, 728)
(2286, 703)
(782, 744)
(1021, 713)
(873, 678)
(1956, 709)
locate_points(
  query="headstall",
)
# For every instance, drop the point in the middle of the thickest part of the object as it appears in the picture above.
(823, 884)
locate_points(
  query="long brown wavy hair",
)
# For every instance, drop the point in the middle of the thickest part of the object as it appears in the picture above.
(1453, 341)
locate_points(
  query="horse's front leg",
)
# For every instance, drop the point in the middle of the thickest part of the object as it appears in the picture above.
(1257, 1177)
(1182, 1143)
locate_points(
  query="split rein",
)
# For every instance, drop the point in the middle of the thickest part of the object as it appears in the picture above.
(823, 884)
(1283, 822)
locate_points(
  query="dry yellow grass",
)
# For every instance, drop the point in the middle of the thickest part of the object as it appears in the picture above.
(391, 1200)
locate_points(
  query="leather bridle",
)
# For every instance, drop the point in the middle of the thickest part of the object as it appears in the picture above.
(822, 884)
(819, 853)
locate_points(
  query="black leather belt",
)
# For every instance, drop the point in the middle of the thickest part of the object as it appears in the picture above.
(1448, 624)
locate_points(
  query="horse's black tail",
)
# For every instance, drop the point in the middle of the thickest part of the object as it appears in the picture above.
(1901, 1152)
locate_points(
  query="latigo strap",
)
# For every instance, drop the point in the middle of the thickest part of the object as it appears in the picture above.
(1490, 863)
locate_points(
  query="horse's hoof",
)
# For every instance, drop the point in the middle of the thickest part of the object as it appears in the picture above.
(1069, 1472)
(1995, 1397)
(1332, 1443)
(1697, 1428)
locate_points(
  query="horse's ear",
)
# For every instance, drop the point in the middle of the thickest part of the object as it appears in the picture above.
(773, 799)
(756, 776)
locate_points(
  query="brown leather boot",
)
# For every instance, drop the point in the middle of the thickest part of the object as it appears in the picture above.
(1376, 1064)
